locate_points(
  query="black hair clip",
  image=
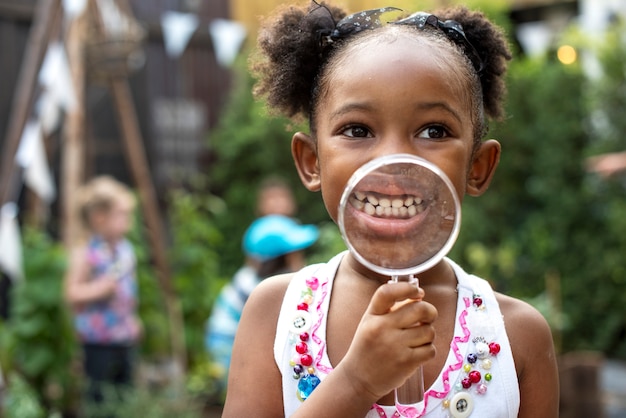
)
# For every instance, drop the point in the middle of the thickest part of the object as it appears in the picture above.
(319, 21)
(452, 29)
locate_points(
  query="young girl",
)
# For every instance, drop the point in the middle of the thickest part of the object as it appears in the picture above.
(100, 285)
(330, 340)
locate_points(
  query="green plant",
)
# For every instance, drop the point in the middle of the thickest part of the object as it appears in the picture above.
(144, 402)
(195, 261)
(38, 339)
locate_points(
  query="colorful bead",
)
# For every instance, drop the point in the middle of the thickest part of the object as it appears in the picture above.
(486, 364)
(481, 389)
(308, 299)
(478, 301)
(446, 403)
(306, 360)
(311, 370)
(466, 383)
(494, 348)
(488, 377)
(482, 350)
(306, 386)
(474, 376)
(303, 306)
(304, 336)
(467, 368)
(312, 283)
(471, 358)
(302, 348)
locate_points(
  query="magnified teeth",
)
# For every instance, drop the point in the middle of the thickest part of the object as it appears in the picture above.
(401, 207)
(372, 199)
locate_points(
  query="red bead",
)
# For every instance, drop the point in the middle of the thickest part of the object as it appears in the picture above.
(302, 348)
(494, 348)
(303, 306)
(306, 360)
(478, 301)
(466, 383)
(304, 336)
(474, 376)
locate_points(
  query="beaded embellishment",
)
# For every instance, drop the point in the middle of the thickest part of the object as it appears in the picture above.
(473, 346)
(302, 360)
(477, 364)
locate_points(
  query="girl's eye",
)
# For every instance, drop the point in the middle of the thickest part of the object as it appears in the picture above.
(356, 132)
(433, 132)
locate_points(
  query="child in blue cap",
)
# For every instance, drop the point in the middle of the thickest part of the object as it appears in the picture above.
(273, 245)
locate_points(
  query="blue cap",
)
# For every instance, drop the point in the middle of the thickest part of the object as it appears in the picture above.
(275, 235)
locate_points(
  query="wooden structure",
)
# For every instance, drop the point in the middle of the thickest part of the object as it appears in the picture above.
(79, 151)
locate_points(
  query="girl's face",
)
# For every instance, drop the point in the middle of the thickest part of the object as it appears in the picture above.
(401, 96)
(114, 224)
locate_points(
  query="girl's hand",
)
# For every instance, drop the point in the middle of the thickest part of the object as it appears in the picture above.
(105, 287)
(392, 339)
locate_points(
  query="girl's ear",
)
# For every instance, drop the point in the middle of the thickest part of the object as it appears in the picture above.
(304, 154)
(483, 167)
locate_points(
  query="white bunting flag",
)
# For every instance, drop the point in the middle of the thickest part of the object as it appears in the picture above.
(227, 38)
(10, 242)
(31, 156)
(178, 28)
(74, 8)
(49, 113)
(55, 76)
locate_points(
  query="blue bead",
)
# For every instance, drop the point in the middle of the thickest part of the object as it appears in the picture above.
(471, 358)
(306, 386)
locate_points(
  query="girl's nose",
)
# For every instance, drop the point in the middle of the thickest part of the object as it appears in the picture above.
(395, 143)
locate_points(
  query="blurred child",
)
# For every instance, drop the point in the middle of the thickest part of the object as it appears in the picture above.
(100, 285)
(275, 198)
(273, 244)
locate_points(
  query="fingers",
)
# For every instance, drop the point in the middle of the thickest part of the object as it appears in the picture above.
(388, 294)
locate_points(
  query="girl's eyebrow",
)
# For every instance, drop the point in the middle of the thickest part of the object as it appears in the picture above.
(350, 107)
(364, 106)
(439, 105)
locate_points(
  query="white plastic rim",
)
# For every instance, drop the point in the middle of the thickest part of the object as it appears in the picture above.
(381, 163)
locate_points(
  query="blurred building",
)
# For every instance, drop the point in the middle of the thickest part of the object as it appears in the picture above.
(178, 99)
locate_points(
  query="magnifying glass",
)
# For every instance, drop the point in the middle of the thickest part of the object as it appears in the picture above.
(399, 216)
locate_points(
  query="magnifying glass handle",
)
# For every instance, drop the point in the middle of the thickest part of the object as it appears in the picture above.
(412, 391)
(410, 394)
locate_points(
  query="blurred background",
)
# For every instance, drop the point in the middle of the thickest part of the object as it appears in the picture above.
(157, 94)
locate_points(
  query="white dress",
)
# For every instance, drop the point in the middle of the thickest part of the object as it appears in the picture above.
(478, 378)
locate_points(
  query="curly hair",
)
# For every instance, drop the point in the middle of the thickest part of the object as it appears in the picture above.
(292, 60)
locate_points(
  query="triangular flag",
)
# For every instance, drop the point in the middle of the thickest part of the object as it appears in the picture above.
(227, 38)
(49, 113)
(55, 76)
(10, 242)
(74, 8)
(177, 31)
(31, 156)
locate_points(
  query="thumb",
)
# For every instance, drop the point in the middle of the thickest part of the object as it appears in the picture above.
(388, 294)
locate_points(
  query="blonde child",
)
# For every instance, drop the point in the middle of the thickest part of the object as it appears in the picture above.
(100, 285)
(325, 342)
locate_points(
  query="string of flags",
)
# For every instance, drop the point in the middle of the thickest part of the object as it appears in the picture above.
(58, 96)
